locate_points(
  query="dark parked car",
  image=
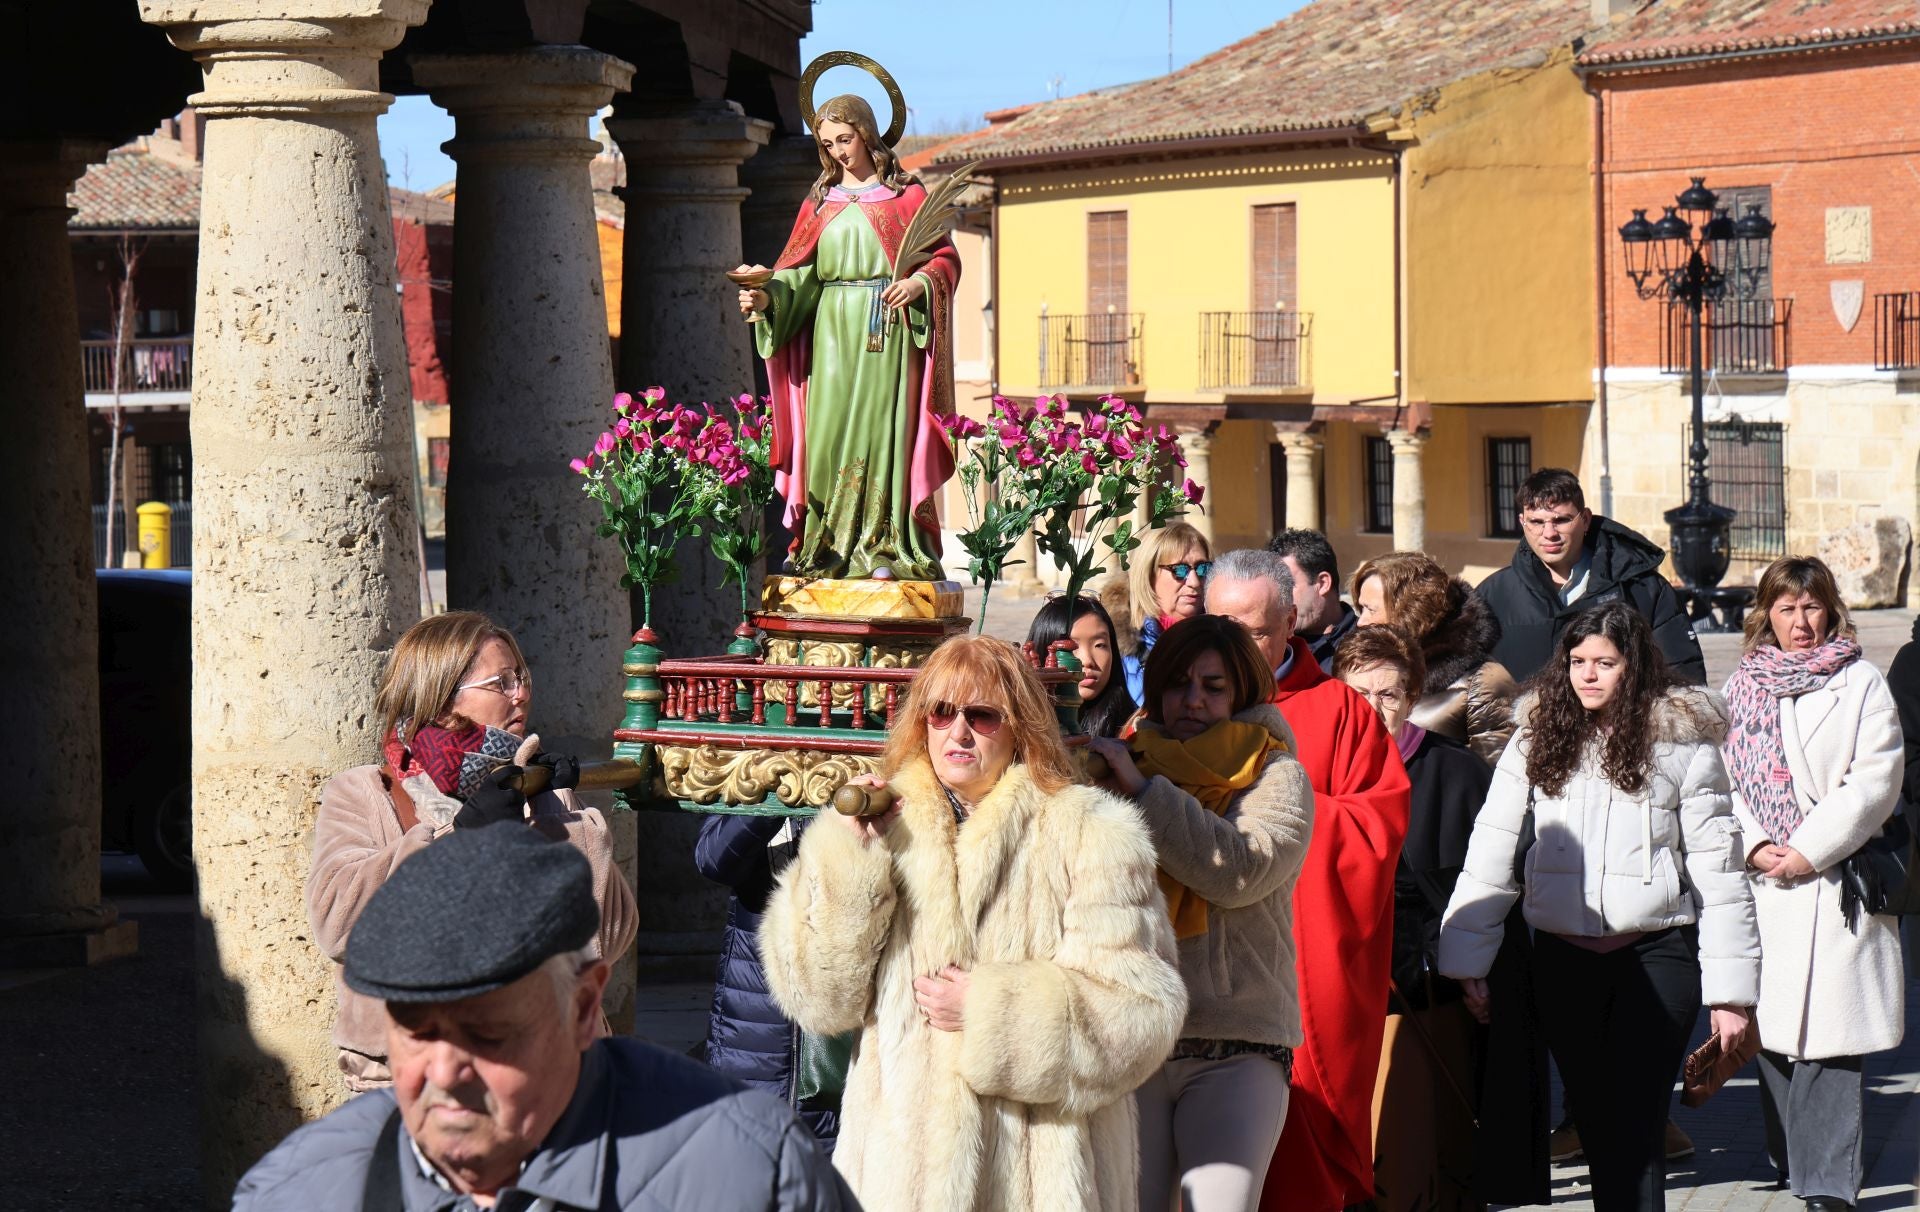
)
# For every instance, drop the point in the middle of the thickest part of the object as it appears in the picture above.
(146, 704)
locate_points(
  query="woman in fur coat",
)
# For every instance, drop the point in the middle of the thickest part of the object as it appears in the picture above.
(999, 944)
(1815, 754)
(1634, 887)
(1213, 770)
(1467, 696)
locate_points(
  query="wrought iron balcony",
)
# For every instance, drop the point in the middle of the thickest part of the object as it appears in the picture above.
(1896, 331)
(147, 364)
(1255, 350)
(1091, 351)
(1738, 336)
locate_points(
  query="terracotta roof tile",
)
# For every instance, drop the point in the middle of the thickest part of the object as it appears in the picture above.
(1329, 65)
(137, 189)
(1669, 28)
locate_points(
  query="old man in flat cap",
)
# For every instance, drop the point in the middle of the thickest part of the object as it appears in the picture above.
(501, 1096)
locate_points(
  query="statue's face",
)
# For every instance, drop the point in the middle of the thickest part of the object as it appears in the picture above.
(845, 147)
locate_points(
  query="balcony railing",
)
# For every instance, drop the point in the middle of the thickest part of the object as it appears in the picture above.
(1260, 350)
(1896, 331)
(147, 364)
(1091, 350)
(1738, 336)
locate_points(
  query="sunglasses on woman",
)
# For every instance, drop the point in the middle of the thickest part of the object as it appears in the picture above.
(1182, 571)
(984, 720)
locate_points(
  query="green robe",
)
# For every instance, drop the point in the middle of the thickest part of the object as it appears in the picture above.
(861, 408)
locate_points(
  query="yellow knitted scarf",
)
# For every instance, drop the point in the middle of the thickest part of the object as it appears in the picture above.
(1213, 768)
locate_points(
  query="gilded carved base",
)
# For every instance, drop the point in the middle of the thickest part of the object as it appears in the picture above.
(863, 599)
(843, 654)
(707, 774)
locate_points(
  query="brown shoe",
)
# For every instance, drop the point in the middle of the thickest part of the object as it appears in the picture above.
(1564, 1145)
(1679, 1146)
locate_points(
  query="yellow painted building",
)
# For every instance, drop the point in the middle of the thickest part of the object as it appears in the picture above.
(1351, 263)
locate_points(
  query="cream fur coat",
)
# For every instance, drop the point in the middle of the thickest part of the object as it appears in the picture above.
(1824, 990)
(1049, 902)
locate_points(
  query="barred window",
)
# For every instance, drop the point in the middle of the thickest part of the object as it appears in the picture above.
(1379, 480)
(1509, 463)
(1748, 463)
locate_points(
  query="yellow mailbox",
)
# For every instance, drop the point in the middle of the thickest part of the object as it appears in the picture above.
(156, 535)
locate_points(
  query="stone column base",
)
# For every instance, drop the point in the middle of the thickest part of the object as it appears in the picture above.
(71, 949)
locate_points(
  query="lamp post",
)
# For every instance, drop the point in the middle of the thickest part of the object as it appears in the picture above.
(1702, 258)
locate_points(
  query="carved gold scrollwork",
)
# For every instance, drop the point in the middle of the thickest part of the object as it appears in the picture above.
(706, 774)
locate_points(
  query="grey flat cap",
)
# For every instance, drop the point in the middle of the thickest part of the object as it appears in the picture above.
(475, 911)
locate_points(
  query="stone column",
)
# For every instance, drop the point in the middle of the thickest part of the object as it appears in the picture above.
(305, 556)
(778, 177)
(50, 907)
(1302, 452)
(1197, 446)
(532, 377)
(680, 329)
(1026, 582)
(1409, 490)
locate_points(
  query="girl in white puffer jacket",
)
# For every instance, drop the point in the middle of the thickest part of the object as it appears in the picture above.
(1635, 885)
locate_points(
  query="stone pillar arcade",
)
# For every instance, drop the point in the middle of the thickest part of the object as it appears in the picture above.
(532, 375)
(305, 551)
(1303, 452)
(50, 907)
(1409, 490)
(1197, 446)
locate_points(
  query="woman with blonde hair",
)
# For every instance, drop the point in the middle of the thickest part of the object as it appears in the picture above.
(1166, 582)
(997, 944)
(454, 705)
(1230, 811)
(1815, 755)
(1466, 695)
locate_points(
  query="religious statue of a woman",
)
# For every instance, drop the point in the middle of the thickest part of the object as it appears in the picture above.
(859, 356)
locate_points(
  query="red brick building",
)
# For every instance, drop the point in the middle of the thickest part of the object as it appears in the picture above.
(1805, 109)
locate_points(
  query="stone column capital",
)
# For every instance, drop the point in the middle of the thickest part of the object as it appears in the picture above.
(532, 103)
(683, 133)
(1297, 441)
(308, 57)
(1406, 442)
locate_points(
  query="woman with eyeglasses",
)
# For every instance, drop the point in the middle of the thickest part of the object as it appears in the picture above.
(454, 705)
(1230, 810)
(1105, 706)
(996, 941)
(1466, 695)
(1166, 582)
(1460, 1118)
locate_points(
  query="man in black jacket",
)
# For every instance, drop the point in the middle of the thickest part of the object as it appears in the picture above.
(1571, 560)
(1320, 617)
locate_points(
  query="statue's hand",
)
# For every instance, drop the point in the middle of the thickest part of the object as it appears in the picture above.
(903, 293)
(752, 301)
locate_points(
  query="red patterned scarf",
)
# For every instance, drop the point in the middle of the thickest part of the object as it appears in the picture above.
(1756, 753)
(454, 760)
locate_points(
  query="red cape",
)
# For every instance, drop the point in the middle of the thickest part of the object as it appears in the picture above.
(930, 454)
(1343, 931)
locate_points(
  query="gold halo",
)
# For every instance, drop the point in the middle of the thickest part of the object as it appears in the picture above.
(896, 128)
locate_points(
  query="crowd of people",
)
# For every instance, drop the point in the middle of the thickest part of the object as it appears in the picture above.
(1335, 875)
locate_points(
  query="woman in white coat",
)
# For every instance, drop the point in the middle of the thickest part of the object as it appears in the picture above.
(999, 945)
(1816, 762)
(1634, 888)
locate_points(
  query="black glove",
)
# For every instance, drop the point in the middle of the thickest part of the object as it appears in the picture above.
(564, 767)
(493, 800)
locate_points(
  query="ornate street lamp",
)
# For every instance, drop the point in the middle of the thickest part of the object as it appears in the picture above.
(1695, 260)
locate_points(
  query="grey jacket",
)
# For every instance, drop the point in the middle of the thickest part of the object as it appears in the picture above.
(646, 1129)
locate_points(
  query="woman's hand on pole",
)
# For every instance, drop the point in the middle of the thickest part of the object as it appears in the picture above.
(1479, 998)
(1729, 1025)
(867, 828)
(904, 292)
(942, 998)
(1125, 777)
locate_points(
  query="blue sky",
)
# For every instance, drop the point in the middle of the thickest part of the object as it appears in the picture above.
(952, 69)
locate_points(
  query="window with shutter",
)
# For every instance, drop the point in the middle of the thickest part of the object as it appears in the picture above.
(1106, 322)
(1275, 267)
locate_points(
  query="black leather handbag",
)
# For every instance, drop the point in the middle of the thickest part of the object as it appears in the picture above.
(1882, 876)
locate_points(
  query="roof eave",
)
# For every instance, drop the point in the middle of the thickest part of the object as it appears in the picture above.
(1196, 145)
(1599, 67)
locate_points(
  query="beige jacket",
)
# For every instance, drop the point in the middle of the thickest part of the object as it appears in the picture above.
(1049, 902)
(357, 843)
(1240, 975)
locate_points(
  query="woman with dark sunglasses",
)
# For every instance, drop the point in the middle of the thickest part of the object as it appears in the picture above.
(1230, 810)
(996, 943)
(1166, 582)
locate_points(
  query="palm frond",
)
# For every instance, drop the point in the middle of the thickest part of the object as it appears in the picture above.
(931, 223)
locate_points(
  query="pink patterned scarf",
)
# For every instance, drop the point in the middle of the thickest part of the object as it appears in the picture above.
(1756, 754)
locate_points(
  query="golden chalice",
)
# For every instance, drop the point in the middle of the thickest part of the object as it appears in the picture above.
(751, 277)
